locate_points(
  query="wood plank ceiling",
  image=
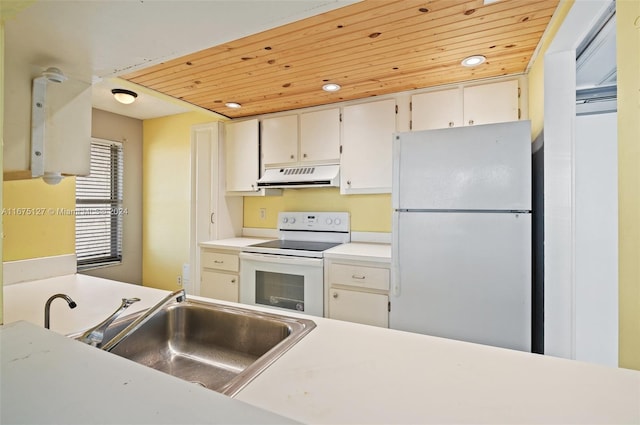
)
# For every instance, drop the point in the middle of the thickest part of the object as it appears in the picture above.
(370, 48)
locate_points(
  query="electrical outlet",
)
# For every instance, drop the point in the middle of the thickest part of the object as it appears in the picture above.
(179, 281)
(263, 213)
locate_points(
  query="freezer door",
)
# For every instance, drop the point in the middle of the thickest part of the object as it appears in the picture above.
(464, 276)
(485, 167)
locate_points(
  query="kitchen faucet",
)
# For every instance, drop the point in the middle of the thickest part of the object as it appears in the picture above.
(179, 295)
(47, 306)
(95, 335)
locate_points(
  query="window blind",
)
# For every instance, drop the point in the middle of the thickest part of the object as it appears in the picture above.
(99, 209)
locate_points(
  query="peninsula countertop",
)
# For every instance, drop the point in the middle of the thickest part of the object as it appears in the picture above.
(343, 372)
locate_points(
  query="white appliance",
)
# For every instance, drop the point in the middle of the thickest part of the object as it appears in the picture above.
(288, 273)
(461, 245)
(326, 175)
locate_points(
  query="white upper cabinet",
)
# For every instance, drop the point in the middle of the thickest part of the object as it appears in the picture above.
(438, 109)
(242, 155)
(368, 128)
(473, 105)
(310, 137)
(491, 103)
(280, 139)
(320, 136)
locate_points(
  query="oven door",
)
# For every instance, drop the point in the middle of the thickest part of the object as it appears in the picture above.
(284, 282)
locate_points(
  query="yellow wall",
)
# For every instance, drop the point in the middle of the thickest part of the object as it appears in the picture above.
(166, 187)
(1, 157)
(34, 222)
(369, 213)
(628, 39)
(536, 73)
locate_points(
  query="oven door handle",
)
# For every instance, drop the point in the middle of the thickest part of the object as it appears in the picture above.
(281, 259)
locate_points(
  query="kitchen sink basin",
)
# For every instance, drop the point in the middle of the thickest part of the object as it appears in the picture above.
(218, 347)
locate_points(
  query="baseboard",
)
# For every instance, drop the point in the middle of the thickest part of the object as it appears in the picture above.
(38, 268)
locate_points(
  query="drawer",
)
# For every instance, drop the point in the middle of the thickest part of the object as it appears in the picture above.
(360, 276)
(219, 261)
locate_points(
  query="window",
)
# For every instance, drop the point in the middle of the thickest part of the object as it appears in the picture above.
(99, 208)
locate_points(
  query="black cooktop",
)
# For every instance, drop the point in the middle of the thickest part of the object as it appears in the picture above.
(297, 245)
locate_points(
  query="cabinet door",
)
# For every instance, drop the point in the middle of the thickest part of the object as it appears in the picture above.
(366, 147)
(241, 147)
(204, 184)
(438, 109)
(359, 307)
(280, 140)
(320, 135)
(491, 103)
(221, 286)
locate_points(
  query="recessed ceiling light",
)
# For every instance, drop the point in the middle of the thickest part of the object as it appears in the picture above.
(233, 105)
(124, 96)
(331, 87)
(473, 60)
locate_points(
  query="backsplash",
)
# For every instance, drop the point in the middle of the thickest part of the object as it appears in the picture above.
(369, 213)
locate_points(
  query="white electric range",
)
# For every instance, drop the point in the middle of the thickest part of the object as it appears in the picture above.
(288, 273)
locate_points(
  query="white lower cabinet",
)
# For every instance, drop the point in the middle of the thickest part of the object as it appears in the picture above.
(358, 292)
(219, 274)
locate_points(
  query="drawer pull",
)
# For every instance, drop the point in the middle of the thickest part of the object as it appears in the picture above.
(218, 261)
(358, 276)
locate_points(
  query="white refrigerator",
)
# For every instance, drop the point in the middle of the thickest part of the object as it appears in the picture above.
(461, 237)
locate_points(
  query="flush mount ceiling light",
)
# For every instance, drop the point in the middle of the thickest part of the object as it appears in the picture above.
(473, 60)
(233, 105)
(124, 96)
(331, 87)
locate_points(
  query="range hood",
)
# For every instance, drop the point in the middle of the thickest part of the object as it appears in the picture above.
(327, 175)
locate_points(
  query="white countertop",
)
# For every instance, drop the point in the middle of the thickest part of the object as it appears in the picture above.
(234, 244)
(361, 251)
(51, 379)
(349, 373)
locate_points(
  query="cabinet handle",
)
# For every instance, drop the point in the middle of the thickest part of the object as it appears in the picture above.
(233, 281)
(470, 122)
(358, 276)
(335, 295)
(212, 214)
(218, 261)
(291, 157)
(304, 155)
(348, 182)
(451, 124)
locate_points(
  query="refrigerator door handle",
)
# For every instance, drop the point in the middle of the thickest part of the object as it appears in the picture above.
(395, 255)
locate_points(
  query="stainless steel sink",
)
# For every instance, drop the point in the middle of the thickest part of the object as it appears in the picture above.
(216, 346)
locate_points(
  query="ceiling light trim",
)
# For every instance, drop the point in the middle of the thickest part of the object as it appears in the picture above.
(474, 60)
(331, 87)
(126, 97)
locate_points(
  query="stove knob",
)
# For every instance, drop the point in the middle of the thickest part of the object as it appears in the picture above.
(329, 221)
(285, 219)
(292, 220)
(337, 221)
